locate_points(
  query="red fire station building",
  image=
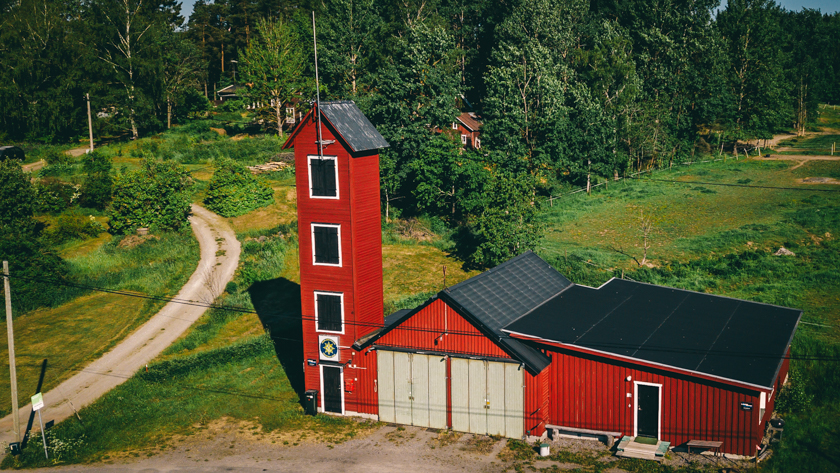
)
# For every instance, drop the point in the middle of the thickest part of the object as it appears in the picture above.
(519, 349)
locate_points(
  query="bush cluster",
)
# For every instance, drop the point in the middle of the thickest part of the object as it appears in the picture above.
(235, 191)
(156, 196)
(53, 196)
(72, 226)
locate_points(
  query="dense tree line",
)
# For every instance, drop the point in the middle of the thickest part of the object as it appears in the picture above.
(570, 91)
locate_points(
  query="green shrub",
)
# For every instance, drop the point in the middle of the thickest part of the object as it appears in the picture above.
(17, 199)
(235, 191)
(792, 397)
(98, 184)
(33, 268)
(53, 196)
(70, 227)
(56, 157)
(156, 196)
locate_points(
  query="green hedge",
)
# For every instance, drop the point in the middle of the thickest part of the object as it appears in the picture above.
(235, 191)
(175, 367)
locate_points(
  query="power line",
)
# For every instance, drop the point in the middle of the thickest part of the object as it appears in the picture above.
(424, 330)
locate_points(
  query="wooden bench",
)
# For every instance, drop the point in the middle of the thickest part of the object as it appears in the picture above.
(707, 444)
(609, 436)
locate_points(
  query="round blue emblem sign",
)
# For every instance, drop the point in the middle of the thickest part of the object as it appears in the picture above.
(328, 348)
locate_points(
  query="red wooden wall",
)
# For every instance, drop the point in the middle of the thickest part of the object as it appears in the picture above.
(360, 276)
(425, 331)
(591, 392)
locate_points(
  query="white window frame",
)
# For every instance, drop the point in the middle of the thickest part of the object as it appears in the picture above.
(477, 143)
(309, 176)
(290, 114)
(636, 409)
(326, 293)
(312, 233)
(340, 387)
(454, 125)
(463, 139)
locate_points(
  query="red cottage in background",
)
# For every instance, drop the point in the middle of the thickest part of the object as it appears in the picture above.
(340, 240)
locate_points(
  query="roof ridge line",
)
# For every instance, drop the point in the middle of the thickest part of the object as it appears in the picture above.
(665, 320)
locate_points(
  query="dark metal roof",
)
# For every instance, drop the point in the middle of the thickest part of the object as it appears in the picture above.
(726, 338)
(501, 295)
(493, 299)
(353, 125)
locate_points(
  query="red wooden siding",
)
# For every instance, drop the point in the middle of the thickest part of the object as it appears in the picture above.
(590, 392)
(537, 402)
(366, 242)
(359, 278)
(426, 330)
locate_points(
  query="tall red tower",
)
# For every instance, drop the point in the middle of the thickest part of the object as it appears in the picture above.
(340, 240)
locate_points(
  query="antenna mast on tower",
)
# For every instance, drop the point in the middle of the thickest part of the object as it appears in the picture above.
(317, 90)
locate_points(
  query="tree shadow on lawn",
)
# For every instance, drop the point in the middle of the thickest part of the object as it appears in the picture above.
(277, 303)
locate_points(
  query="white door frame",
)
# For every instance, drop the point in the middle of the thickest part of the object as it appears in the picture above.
(340, 387)
(636, 409)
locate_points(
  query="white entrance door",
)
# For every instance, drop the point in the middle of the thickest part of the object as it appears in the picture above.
(412, 389)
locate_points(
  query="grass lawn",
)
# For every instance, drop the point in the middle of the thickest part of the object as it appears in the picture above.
(73, 333)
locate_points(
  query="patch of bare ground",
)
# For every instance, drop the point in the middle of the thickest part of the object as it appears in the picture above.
(481, 444)
(818, 180)
(132, 241)
(444, 438)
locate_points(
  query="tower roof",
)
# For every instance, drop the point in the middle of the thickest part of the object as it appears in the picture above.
(350, 123)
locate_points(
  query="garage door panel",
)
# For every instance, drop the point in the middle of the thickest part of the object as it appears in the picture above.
(514, 401)
(402, 388)
(495, 398)
(459, 380)
(478, 396)
(385, 385)
(437, 392)
(420, 390)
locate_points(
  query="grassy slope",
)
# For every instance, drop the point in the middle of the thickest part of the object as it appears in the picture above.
(92, 323)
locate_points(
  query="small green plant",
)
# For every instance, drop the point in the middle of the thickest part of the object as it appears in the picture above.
(793, 398)
(235, 191)
(97, 186)
(53, 196)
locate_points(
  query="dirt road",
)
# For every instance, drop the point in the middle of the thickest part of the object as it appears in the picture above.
(219, 259)
(387, 449)
(32, 167)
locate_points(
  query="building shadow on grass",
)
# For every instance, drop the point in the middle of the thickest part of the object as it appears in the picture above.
(277, 303)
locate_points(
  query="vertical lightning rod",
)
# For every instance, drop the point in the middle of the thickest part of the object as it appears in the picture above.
(317, 89)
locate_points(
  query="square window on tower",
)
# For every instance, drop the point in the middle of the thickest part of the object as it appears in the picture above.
(326, 244)
(329, 312)
(323, 177)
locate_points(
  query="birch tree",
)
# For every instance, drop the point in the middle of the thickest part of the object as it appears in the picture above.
(273, 67)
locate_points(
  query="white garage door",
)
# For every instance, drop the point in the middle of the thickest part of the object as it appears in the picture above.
(487, 397)
(412, 389)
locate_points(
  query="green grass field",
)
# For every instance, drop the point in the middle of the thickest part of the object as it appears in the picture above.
(88, 323)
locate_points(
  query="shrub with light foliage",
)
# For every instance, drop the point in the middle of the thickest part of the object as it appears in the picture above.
(235, 191)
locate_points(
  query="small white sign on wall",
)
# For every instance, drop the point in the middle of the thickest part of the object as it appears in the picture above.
(328, 348)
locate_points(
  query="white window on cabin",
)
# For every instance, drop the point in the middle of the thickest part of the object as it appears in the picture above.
(463, 139)
(477, 143)
(454, 125)
(290, 114)
(762, 405)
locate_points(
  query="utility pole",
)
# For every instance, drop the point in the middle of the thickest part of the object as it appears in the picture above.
(10, 331)
(90, 122)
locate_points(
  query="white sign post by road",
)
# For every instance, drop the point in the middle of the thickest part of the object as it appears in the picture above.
(37, 405)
